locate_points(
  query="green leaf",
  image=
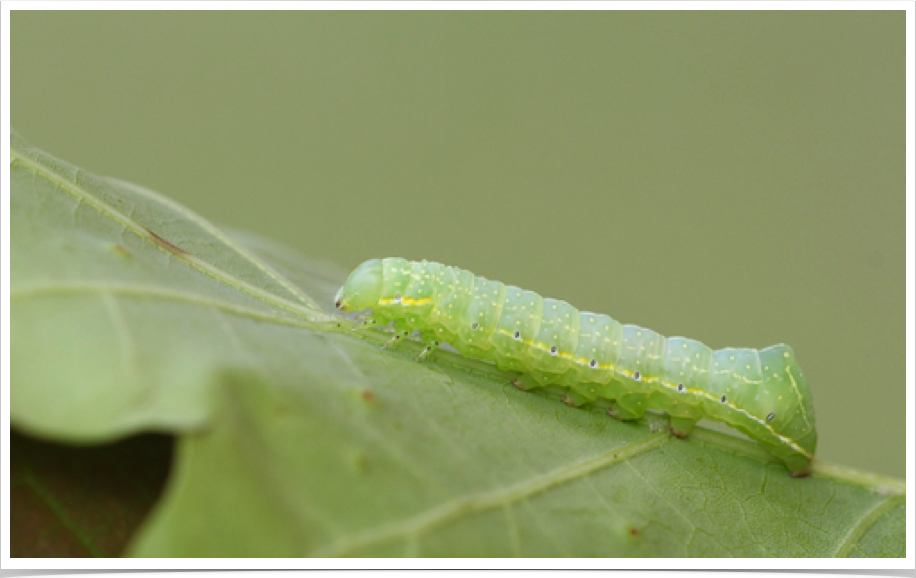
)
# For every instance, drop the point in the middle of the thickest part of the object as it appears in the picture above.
(300, 436)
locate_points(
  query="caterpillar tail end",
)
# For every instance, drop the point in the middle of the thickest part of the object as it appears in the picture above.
(798, 464)
(803, 473)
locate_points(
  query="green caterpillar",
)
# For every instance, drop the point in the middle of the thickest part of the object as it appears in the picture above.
(549, 342)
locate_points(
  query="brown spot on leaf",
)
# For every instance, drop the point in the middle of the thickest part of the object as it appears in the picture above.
(121, 250)
(360, 462)
(368, 395)
(168, 246)
(634, 531)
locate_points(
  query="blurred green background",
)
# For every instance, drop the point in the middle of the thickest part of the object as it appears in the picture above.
(734, 177)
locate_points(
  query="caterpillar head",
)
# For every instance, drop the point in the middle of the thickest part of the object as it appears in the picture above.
(362, 289)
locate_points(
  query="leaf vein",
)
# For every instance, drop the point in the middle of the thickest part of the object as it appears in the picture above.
(867, 521)
(150, 291)
(430, 519)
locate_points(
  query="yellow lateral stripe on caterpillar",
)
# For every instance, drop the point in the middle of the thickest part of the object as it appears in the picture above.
(405, 301)
(549, 342)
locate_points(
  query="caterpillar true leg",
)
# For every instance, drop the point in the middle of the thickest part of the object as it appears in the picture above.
(431, 346)
(397, 337)
(365, 322)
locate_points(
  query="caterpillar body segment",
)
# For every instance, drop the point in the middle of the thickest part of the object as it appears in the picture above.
(549, 342)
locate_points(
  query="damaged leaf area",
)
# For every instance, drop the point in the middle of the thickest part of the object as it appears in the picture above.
(297, 435)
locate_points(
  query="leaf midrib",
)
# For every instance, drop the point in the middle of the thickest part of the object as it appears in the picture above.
(154, 292)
